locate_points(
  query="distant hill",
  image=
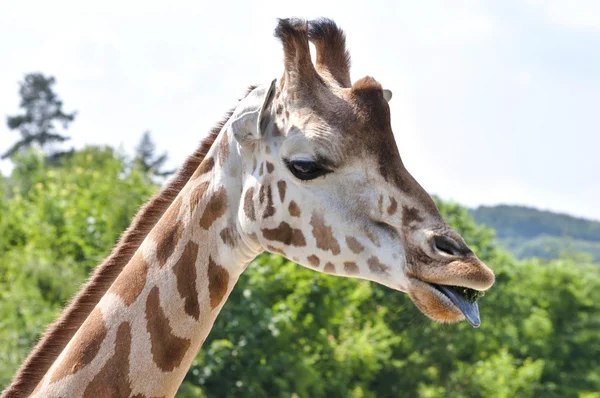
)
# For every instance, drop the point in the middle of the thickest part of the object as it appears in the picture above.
(529, 232)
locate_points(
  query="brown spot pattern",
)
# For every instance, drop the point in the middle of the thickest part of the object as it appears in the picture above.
(249, 204)
(185, 273)
(354, 244)
(223, 149)
(113, 378)
(262, 169)
(393, 207)
(167, 233)
(281, 187)
(270, 209)
(167, 349)
(410, 214)
(377, 267)
(218, 281)
(215, 208)
(285, 234)
(324, 235)
(228, 236)
(329, 268)
(313, 260)
(207, 165)
(131, 281)
(351, 268)
(85, 347)
(294, 209)
(270, 167)
(372, 238)
(380, 204)
(197, 195)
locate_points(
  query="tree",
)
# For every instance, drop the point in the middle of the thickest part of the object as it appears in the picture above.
(42, 110)
(146, 159)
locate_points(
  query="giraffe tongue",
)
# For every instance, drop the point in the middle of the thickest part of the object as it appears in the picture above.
(469, 309)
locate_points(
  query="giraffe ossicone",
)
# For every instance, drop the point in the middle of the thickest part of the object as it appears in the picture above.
(306, 166)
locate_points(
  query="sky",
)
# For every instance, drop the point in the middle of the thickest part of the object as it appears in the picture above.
(494, 101)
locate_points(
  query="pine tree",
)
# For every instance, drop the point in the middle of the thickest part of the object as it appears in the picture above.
(146, 159)
(42, 110)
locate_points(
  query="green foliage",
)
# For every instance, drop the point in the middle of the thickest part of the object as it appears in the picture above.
(57, 224)
(289, 331)
(42, 109)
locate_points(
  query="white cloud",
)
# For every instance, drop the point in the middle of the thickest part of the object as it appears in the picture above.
(577, 14)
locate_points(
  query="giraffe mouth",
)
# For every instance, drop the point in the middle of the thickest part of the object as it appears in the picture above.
(464, 298)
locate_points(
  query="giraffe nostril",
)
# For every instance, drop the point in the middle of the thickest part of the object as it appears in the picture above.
(447, 246)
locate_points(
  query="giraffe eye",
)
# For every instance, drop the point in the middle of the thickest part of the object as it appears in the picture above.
(306, 169)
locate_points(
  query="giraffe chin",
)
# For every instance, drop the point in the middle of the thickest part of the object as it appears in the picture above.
(441, 303)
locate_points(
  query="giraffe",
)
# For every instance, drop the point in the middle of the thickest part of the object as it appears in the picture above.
(305, 166)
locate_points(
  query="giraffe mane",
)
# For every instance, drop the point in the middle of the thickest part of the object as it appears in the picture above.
(62, 330)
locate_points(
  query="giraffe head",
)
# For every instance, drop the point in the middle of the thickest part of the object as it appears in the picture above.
(324, 185)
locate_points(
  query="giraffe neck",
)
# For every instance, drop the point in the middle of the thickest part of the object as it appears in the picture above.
(146, 330)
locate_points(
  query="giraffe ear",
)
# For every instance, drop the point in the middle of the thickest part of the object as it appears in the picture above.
(245, 121)
(387, 95)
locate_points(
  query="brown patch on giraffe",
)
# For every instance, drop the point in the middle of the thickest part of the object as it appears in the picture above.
(269, 209)
(279, 109)
(313, 260)
(249, 204)
(354, 244)
(167, 349)
(113, 378)
(329, 268)
(380, 204)
(393, 207)
(410, 214)
(228, 235)
(351, 268)
(262, 194)
(61, 331)
(223, 149)
(84, 348)
(372, 238)
(185, 273)
(168, 233)
(197, 194)
(377, 267)
(324, 235)
(132, 280)
(262, 169)
(294, 209)
(270, 167)
(285, 234)
(207, 165)
(215, 208)
(281, 187)
(218, 281)
(274, 249)
(287, 115)
(276, 130)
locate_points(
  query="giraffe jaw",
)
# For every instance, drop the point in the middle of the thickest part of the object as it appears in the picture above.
(467, 306)
(445, 303)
